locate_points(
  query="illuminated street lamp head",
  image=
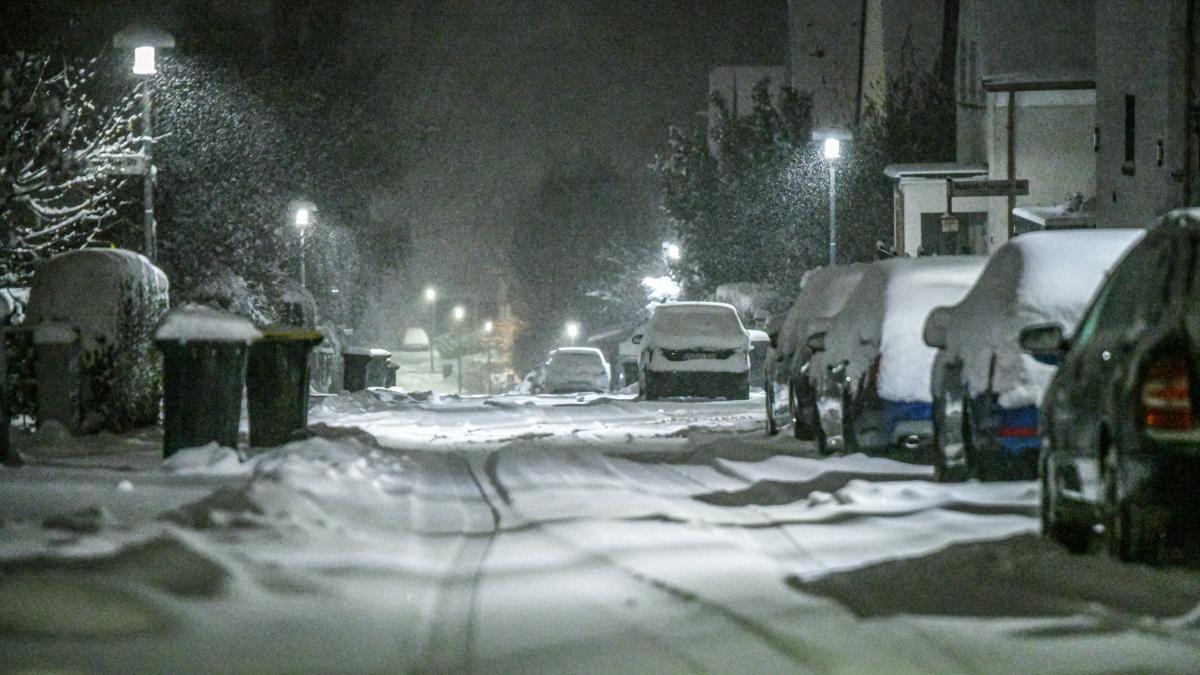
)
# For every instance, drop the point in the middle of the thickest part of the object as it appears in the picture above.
(143, 61)
(430, 294)
(302, 217)
(459, 313)
(144, 39)
(833, 149)
(488, 327)
(672, 250)
(572, 330)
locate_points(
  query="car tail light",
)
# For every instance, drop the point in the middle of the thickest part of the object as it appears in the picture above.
(1167, 394)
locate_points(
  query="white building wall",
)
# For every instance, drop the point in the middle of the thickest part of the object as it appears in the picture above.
(1144, 56)
(1054, 150)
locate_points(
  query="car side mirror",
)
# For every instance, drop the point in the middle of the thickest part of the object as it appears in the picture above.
(816, 342)
(1044, 342)
(636, 339)
(934, 333)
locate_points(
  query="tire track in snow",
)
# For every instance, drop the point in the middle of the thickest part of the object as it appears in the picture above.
(791, 649)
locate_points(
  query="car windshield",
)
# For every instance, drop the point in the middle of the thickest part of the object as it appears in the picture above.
(575, 362)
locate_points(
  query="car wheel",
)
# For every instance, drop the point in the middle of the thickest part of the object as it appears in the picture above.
(1126, 537)
(849, 438)
(802, 430)
(943, 471)
(772, 424)
(1054, 525)
(649, 392)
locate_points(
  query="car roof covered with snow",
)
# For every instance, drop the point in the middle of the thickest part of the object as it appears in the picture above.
(583, 351)
(1037, 277)
(885, 315)
(823, 292)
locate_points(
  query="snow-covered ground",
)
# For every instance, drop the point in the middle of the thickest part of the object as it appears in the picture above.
(552, 534)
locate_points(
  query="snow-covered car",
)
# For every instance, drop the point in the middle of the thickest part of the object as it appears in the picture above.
(574, 369)
(873, 366)
(1120, 440)
(985, 389)
(694, 349)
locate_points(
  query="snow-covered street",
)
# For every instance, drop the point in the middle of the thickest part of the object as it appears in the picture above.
(554, 534)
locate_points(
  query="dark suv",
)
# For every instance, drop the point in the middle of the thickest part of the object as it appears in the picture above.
(1120, 444)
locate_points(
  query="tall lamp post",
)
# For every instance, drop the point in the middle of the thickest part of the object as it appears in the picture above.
(303, 214)
(459, 313)
(832, 152)
(144, 40)
(488, 329)
(431, 300)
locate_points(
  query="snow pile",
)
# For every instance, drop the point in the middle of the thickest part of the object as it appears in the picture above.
(1039, 277)
(111, 300)
(885, 316)
(206, 459)
(195, 323)
(696, 325)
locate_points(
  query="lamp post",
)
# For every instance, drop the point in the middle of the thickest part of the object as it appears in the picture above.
(488, 328)
(302, 217)
(832, 152)
(431, 299)
(144, 40)
(459, 313)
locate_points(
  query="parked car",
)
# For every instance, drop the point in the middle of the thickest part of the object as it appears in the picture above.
(574, 369)
(694, 349)
(985, 389)
(822, 293)
(872, 365)
(1120, 444)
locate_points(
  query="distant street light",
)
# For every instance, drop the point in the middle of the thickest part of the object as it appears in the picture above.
(671, 251)
(488, 327)
(144, 40)
(832, 152)
(459, 313)
(431, 299)
(572, 330)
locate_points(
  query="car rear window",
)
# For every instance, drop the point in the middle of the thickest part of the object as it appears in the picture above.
(697, 321)
(577, 361)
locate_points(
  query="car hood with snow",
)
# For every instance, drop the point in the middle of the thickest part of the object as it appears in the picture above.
(1039, 277)
(884, 317)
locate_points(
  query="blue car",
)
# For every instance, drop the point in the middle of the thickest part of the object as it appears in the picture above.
(871, 368)
(986, 391)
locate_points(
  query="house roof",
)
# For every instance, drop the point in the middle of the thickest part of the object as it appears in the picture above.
(934, 170)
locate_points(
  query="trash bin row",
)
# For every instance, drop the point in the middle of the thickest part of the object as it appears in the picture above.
(209, 356)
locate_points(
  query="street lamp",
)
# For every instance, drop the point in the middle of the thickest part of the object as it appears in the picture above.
(572, 330)
(303, 215)
(459, 313)
(488, 328)
(671, 251)
(832, 152)
(431, 300)
(144, 40)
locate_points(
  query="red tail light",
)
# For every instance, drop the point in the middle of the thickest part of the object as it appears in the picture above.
(1167, 394)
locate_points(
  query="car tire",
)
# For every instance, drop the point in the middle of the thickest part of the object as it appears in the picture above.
(1126, 536)
(802, 430)
(769, 398)
(849, 438)
(650, 392)
(1075, 538)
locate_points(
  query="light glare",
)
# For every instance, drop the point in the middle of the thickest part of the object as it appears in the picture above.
(572, 330)
(833, 148)
(143, 61)
(459, 313)
(302, 216)
(430, 294)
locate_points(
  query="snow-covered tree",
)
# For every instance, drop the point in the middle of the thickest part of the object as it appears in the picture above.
(54, 194)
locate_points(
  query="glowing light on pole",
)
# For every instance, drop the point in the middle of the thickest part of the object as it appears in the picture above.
(459, 313)
(832, 152)
(431, 299)
(572, 330)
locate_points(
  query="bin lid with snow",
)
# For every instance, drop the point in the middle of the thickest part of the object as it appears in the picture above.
(366, 351)
(196, 323)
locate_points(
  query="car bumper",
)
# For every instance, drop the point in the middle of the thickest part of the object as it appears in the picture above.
(1162, 485)
(696, 383)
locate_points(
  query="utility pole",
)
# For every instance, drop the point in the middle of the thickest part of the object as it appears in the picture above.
(149, 226)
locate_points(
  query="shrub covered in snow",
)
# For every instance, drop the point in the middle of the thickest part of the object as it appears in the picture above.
(106, 304)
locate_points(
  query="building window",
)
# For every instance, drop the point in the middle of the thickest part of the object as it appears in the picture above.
(1130, 134)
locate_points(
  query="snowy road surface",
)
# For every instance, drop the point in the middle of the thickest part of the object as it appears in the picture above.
(552, 535)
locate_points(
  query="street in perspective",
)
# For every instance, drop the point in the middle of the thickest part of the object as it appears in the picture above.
(725, 336)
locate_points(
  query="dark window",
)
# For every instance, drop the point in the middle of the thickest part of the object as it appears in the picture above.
(1130, 129)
